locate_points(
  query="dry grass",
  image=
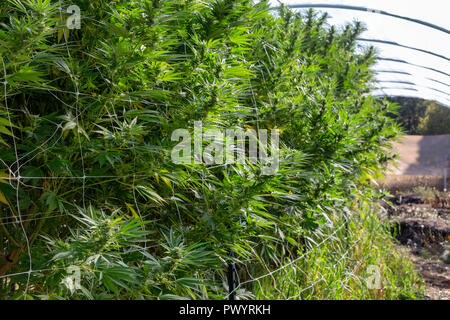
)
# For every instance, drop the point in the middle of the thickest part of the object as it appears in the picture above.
(408, 182)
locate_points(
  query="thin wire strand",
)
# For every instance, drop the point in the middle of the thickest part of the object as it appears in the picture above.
(5, 83)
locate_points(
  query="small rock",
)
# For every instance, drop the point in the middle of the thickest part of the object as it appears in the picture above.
(446, 256)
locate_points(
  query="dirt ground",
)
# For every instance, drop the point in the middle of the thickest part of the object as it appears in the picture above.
(421, 161)
(435, 274)
(421, 155)
(422, 231)
(424, 235)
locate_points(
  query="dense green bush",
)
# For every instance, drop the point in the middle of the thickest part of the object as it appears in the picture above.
(89, 188)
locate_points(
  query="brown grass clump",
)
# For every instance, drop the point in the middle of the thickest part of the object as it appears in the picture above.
(409, 182)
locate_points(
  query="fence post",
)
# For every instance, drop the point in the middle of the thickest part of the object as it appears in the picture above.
(446, 169)
(231, 278)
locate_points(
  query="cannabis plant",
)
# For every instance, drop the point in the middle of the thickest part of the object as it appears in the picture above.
(92, 207)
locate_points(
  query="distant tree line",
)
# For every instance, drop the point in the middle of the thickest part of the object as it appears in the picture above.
(421, 117)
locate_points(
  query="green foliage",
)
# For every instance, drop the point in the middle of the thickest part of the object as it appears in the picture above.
(435, 121)
(409, 112)
(106, 253)
(421, 117)
(339, 268)
(94, 110)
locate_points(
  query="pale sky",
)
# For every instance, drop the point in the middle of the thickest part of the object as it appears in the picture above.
(406, 33)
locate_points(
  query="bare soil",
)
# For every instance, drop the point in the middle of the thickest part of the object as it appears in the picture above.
(421, 155)
(424, 234)
(435, 274)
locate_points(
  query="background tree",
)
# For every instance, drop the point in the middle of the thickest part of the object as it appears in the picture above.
(435, 121)
(421, 117)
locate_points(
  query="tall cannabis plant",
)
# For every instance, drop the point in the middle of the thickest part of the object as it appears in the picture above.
(92, 205)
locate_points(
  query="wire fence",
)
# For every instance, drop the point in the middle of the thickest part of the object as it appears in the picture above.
(237, 288)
